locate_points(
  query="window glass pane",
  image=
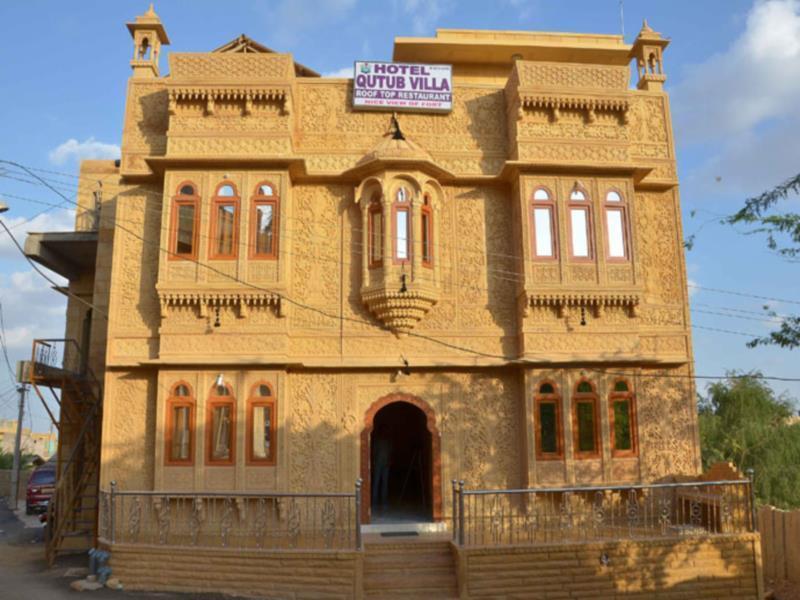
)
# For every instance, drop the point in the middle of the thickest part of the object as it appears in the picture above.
(546, 388)
(620, 386)
(401, 235)
(616, 237)
(376, 233)
(262, 430)
(184, 243)
(426, 237)
(225, 217)
(264, 236)
(577, 195)
(180, 433)
(265, 190)
(585, 387)
(613, 197)
(221, 432)
(541, 195)
(580, 233)
(181, 390)
(226, 191)
(547, 427)
(586, 441)
(264, 391)
(544, 232)
(402, 195)
(622, 425)
(187, 190)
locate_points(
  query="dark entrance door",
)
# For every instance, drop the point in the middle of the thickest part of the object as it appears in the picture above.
(400, 465)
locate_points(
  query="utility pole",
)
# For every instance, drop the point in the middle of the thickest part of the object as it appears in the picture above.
(17, 443)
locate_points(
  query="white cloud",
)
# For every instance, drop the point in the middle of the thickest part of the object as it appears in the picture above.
(756, 79)
(346, 72)
(289, 18)
(58, 220)
(743, 102)
(425, 14)
(72, 149)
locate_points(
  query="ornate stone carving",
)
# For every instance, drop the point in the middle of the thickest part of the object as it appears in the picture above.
(399, 311)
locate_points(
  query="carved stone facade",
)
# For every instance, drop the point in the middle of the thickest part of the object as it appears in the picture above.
(264, 233)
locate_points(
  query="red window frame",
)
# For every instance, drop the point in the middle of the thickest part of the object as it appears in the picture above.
(375, 244)
(586, 206)
(579, 398)
(214, 400)
(257, 200)
(174, 401)
(179, 200)
(216, 202)
(629, 396)
(550, 205)
(254, 401)
(622, 208)
(427, 231)
(553, 398)
(402, 207)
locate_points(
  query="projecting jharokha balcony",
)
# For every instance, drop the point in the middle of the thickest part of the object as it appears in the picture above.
(276, 522)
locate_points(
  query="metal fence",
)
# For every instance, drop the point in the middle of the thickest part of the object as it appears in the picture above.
(581, 514)
(248, 521)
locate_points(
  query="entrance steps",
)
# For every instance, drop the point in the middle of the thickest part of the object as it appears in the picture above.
(413, 568)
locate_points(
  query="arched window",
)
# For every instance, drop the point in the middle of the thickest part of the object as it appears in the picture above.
(183, 236)
(401, 212)
(586, 428)
(616, 226)
(622, 419)
(261, 421)
(375, 225)
(180, 426)
(580, 225)
(220, 426)
(427, 231)
(543, 211)
(264, 222)
(224, 222)
(144, 49)
(549, 438)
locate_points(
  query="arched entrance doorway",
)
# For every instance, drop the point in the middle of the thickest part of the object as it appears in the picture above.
(400, 461)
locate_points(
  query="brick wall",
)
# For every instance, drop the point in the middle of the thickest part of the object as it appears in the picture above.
(296, 575)
(718, 567)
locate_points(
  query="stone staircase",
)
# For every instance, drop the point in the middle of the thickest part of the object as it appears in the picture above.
(416, 568)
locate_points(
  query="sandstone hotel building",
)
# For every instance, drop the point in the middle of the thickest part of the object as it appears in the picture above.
(277, 278)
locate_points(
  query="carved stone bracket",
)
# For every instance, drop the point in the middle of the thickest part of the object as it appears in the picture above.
(247, 94)
(595, 301)
(399, 311)
(244, 301)
(591, 104)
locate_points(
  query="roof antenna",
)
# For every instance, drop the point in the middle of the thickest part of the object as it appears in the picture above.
(396, 133)
(622, 17)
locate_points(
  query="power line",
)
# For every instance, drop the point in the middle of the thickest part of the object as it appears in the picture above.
(4, 346)
(326, 314)
(744, 294)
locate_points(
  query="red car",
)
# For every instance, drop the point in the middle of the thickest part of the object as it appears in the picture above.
(40, 487)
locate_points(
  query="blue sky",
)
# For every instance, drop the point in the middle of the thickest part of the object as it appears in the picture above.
(733, 72)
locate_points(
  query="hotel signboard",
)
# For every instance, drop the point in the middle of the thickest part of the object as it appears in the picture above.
(402, 86)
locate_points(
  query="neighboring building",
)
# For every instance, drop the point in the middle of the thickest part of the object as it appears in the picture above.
(496, 294)
(39, 444)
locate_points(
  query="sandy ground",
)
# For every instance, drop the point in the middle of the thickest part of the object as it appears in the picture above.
(24, 575)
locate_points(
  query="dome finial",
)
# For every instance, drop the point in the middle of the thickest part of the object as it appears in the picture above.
(646, 27)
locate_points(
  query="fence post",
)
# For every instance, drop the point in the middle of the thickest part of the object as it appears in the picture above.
(751, 475)
(455, 508)
(461, 513)
(112, 509)
(358, 513)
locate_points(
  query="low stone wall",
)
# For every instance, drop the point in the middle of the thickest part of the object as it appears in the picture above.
(293, 575)
(709, 567)
(5, 483)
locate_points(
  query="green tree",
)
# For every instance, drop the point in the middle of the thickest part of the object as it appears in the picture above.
(7, 460)
(783, 237)
(742, 421)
